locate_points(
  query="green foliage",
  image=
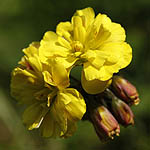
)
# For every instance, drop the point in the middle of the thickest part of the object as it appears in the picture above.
(22, 22)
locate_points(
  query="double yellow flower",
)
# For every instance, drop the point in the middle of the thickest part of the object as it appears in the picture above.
(97, 43)
(41, 81)
(51, 106)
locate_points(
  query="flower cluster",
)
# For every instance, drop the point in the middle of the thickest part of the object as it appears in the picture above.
(42, 80)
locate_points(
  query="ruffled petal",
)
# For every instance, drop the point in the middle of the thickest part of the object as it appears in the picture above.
(102, 19)
(24, 84)
(98, 32)
(95, 57)
(127, 55)
(33, 116)
(54, 123)
(71, 128)
(79, 32)
(53, 46)
(120, 57)
(67, 108)
(104, 31)
(74, 103)
(31, 60)
(87, 16)
(35, 63)
(59, 74)
(117, 33)
(64, 29)
(91, 73)
(50, 47)
(32, 49)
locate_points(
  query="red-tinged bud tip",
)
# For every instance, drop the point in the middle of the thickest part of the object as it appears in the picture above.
(125, 90)
(106, 126)
(122, 112)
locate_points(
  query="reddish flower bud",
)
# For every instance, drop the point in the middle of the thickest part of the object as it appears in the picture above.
(106, 126)
(122, 112)
(125, 90)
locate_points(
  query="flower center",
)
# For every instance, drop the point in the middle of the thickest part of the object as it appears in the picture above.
(77, 46)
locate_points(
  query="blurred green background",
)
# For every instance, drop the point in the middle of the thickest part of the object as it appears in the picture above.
(22, 22)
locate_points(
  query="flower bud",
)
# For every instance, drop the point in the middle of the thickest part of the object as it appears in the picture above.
(125, 90)
(122, 112)
(106, 126)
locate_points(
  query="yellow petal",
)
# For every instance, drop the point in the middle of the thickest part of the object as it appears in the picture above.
(50, 47)
(47, 126)
(87, 16)
(58, 73)
(120, 57)
(68, 61)
(117, 33)
(63, 42)
(35, 63)
(54, 123)
(71, 128)
(33, 116)
(114, 50)
(98, 32)
(102, 19)
(90, 71)
(94, 86)
(31, 52)
(64, 29)
(74, 103)
(24, 85)
(101, 37)
(127, 55)
(95, 57)
(32, 49)
(78, 29)
(48, 78)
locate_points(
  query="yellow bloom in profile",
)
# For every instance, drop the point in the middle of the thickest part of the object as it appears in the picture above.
(51, 106)
(97, 43)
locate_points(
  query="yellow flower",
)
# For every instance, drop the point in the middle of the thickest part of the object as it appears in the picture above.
(97, 43)
(51, 106)
(67, 108)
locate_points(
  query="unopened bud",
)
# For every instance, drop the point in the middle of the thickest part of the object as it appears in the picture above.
(125, 90)
(106, 126)
(122, 112)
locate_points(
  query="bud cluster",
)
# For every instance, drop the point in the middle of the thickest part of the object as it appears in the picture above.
(112, 107)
